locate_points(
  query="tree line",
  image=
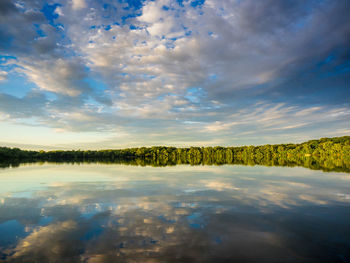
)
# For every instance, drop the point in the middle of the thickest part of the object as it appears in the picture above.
(329, 154)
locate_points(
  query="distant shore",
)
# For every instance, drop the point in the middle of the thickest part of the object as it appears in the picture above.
(326, 153)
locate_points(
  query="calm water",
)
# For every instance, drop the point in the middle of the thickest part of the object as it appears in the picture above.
(119, 213)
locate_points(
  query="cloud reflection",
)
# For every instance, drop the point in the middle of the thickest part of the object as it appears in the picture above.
(234, 214)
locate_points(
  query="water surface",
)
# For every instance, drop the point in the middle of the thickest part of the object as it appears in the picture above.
(109, 213)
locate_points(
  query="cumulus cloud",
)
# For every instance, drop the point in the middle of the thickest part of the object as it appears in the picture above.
(58, 76)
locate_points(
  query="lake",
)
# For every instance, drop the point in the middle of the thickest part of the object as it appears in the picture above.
(123, 213)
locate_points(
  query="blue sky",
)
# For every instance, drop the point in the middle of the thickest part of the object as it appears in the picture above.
(109, 74)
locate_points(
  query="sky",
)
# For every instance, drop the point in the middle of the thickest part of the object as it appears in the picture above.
(85, 74)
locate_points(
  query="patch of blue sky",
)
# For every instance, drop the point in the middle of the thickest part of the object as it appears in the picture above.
(96, 83)
(192, 98)
(174, 39)
(16, 85)
(5, 58)
(188, 33)
(133, 27)
(197, 3)
(194, 94)
(163, 96)
(330, 58)
(107, 9)
(6, 65)
(125, 74)
(339, 70)
(329, 67)
(10, 231)
(135, 4)
(45, 220)
(105, 6)
(303, 21)
(300, 24)
(99, 88)
(60, 26)
(196, 220)
(148, 76)
(91, 102)
(129, 16)
(180, 2)
(39, 31)
(170, 42)
(50, 95)
(343, 67)
(49, 12)
(106, 27)
(213, 76)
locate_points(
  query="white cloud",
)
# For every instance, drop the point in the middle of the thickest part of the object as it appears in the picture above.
(3, 75)
(59, 76)
(78, 4)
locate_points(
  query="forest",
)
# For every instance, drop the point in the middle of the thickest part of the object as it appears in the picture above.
(328, 154)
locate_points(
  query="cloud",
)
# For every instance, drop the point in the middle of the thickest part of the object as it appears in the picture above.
(32, 105)
(41, 237)
(78, 4)
(58, 76)
(178, 63)
(219, 185)
(3, 75)
(18, 30)
(226, 44)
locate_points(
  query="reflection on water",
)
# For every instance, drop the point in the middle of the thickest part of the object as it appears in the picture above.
(109, 213)
(331, 163)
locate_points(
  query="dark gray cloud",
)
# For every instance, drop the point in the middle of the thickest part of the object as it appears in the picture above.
(7, 7)
(20, 26)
